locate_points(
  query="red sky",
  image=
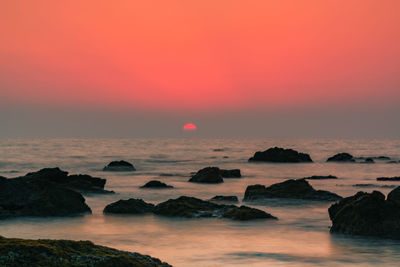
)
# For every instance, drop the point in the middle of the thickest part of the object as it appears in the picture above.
(210, 55)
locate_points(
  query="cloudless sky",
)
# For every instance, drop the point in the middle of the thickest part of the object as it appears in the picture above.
(144, 68)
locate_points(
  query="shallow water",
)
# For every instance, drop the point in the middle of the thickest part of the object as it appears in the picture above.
(299, 238)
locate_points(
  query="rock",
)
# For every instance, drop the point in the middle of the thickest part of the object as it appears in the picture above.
(382, 158)
(374, 185)
(190, 207)
(396, 178)
(44, 252)
(367, 214)
(2, 178)
(369, 160)
(20, 197)
(244, 213)
(341, 157)
(393, 161)
(319, 177)
(277, 154)
(218, 149)
(81, 182)
(156, 184)
(120, 166)
(297, 189)
(225, 199)
(235, 173)
(207, 175)
(130, 206)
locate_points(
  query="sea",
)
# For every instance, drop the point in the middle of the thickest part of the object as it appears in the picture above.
(300, 237)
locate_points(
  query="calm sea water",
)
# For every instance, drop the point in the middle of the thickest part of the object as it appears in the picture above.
(299, 238)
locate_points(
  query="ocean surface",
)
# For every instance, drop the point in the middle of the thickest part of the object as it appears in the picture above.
(299, 238)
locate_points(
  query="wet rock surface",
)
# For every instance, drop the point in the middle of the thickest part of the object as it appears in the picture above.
(368, 214)
(44, 252)
(119, 166)
(341, 157)
(130, 206)
(210, 175)
(296, 189)
(278, 154)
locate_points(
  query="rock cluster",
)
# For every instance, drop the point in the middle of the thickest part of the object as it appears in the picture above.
(278, 154)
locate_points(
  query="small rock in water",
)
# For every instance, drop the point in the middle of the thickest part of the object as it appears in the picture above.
(130, 206)
(121, 165)
(225, 199)
(341, 157)
(296, 189)
(244, 213)
(156, 184)
(396, 178)
(210, 175)
(278, 154)
(320, 177)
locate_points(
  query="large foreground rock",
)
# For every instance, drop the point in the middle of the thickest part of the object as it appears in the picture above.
(190, 207)
(43, 252)
(20, 197)
(119, 166)
(298, 189)
(341, 157)
(82, 183)
(278, 154)
(130, 206)
(367, 214)
(209, 175)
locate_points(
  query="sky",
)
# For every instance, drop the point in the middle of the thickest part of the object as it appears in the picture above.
(257, 68)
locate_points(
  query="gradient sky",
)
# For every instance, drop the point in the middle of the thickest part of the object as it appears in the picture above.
(281, 64)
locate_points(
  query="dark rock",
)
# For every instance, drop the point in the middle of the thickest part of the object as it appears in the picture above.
(374, 185)
(130, 206)
(367, 214)
(396, 178)
(341, 157)
(244, 213)
(207, 175)
(393, 161)
(225, 157)
(298, 189)
(2, 178)
(235, 173)
(382, 158)
(277, 154)
(156, 184)
(369, 160)
(81, 182)
(225, 199)
(20, 197)
(44, 252)
(218, 149)
(191, 207)
(122, 166)
(320, 177)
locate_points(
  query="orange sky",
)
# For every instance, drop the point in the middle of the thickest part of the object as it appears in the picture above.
(210, 55)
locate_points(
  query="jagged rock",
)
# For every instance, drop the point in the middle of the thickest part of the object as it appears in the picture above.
(191, 207)
(44, 252)
(207, 175)
(225, 199)
(130, 206)
(277, 154)
(234, 173)
(341, 157)
(156, 184)
(396, 178)
(298, 189)
(320, 177)
(19, 197)
(81, 182)
(119, 166)
(367, 214)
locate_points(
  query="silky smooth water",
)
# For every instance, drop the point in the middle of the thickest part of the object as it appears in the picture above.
(299, 238)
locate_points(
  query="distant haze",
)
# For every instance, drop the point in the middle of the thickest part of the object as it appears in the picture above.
(282, 68)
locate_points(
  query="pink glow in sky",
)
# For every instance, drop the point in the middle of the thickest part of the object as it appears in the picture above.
(199, 55)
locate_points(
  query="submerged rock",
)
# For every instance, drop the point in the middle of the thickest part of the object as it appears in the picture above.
(298, 189)
(190, 207)
(19, 197)
(277, 154)
(156, 184)
(130, 206)
(396, 178)
(207, 175)
(44, 252)
(341, 157)
(225, 199)
(367, 214)
(119, 166)
(82, 183)
(320, 177)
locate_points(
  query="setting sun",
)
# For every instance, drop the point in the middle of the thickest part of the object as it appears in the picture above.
(189, 127)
